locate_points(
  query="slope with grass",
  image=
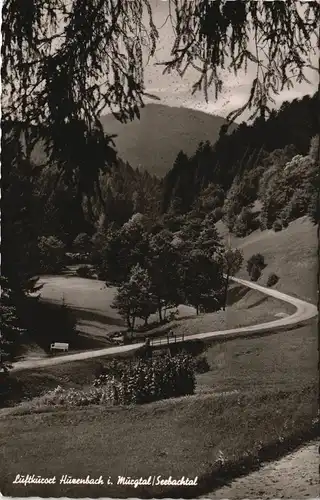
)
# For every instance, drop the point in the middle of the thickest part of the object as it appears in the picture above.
(290, 253)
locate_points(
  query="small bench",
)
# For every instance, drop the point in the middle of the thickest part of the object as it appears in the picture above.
(59, 346)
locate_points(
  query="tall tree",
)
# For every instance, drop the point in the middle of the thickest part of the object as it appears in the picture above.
(163, 265)
(121, 249)
(202, 281)
(134, 297)
(21, 213)
(11, 328)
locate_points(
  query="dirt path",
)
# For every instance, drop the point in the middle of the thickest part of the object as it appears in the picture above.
(294, 476)
(304, 312)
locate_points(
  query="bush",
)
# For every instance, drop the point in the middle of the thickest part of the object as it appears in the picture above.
(84, 272)
(272, 279)
(106, 394)
(255, 273)
(245, 222)
(255, 262)
(150, 379)
(277, 226)
(201, 365)
(240, 228)
(298, 205)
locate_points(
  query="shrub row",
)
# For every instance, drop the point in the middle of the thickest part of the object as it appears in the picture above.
(127, 384)
(80, 397)
(150, 379)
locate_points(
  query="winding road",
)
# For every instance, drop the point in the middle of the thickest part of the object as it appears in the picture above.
(304, 312)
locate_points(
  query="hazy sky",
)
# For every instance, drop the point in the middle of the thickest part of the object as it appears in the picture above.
(176, 91)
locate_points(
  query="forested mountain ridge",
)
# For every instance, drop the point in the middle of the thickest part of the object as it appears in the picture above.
(152, 142)
(245, 149)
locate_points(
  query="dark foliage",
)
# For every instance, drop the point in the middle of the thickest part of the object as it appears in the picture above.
(12, 325)
(151, 379)
(202, 282)
(288, 190)
(277, 226)
(82, 243)
(201, 364)
(255, 273)
(47, 323)
(255, 265)
(84, 272)
(21, 212)
(272, 279)
(51, 254)
(122, 249)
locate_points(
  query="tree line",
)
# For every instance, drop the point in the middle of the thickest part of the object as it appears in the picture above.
(157, 267)
(244, 150)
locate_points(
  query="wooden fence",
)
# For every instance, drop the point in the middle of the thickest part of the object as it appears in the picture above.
(169, 339)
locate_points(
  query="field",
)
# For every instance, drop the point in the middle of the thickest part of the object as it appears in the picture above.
(199, 435)
(259, 399)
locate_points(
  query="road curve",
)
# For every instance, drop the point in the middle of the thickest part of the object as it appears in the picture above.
(304, 312)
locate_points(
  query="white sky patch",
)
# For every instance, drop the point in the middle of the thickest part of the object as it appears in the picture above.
(175, 91)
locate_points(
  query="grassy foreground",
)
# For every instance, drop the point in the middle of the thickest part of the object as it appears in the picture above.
(200, 436)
